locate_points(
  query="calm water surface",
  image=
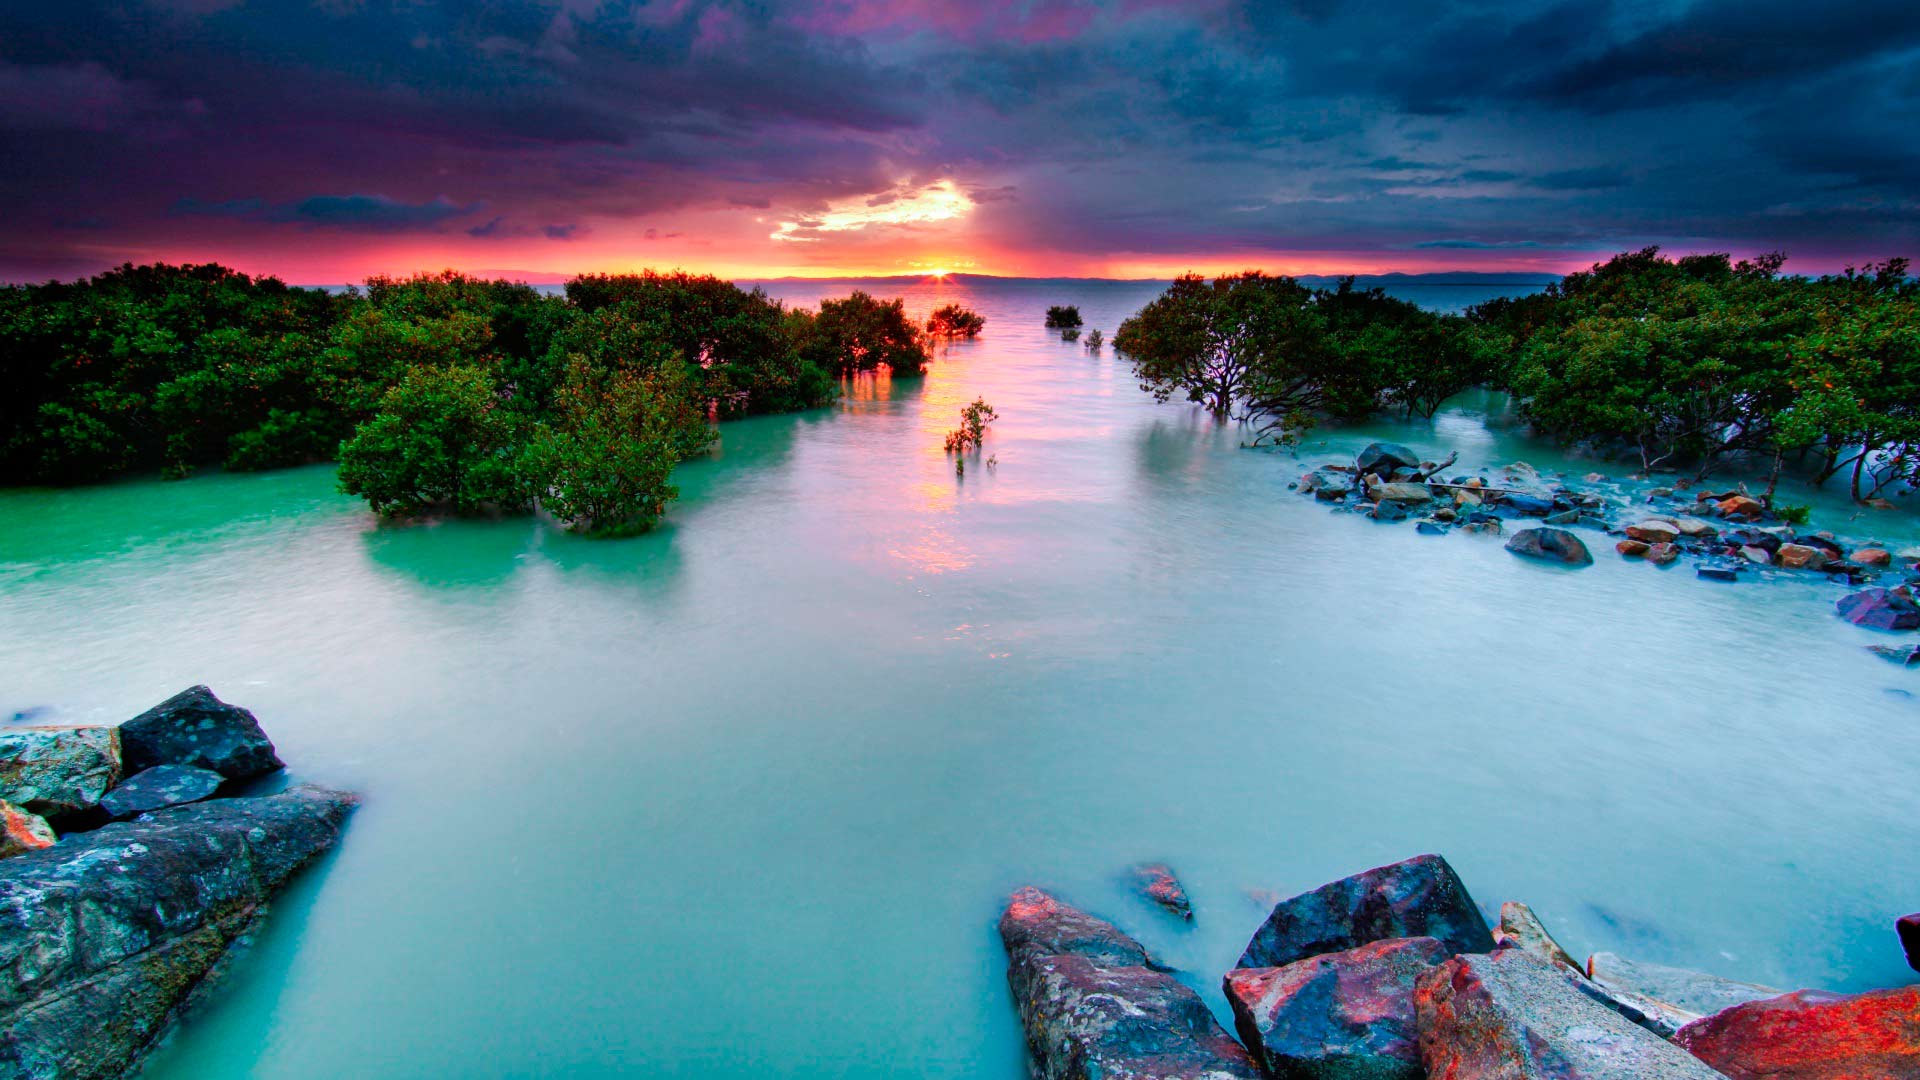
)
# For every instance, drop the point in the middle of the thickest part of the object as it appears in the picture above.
(743, 797)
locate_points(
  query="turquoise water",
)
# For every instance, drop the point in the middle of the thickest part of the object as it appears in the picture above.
(743, 797)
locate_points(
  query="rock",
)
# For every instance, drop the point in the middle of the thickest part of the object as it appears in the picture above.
(1419, 897)
(109, 931)
(1564, 517)
(1463, 497)
(1812, 1035)
(1741, 506)
(22, 831)
(1511, 1016)
(1653, 531)
(1482, 528)
(1758, 555)
(1094, 1007)
(1445, 513)
(1907, 556)
(1662, 554)
(1632, 549)
(1595, 478)
(1801, 557)
(195, 728)
(1694, 527)
(1717, 573)
(1384, 457)
(58, 770)
(1430, 528)
(1338, 1016)
(1869, 556)
(1660, 493)
(1330, 494)
(1674, 997)
(1157, 883)
(1908, 927)
(1904, 655)
(1880, 609)
(1531, 505)
(1520, 928)
(1388, 511)
(1557, 545)
(162, 785)
(1882, 504)
(1825, 543)
(1760, 538)
(1413, 494)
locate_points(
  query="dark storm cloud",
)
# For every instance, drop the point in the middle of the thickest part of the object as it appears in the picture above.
(1075, 126)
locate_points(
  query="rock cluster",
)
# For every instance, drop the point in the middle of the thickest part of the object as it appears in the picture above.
(1393, 974)
(106, 930)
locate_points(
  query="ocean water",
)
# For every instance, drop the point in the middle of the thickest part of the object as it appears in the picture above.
(744, 797)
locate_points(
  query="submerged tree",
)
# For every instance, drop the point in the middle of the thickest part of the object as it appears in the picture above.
(1063, 317)
(861, 333)
(971, 434)
(441, 439)
(955, 320)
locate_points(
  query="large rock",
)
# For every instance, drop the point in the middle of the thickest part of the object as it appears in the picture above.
(1880, 609)
(1511, 1016)
(160, 786)
(1557, 545)
(1523, 503)
(1694, 992)
(1382, 458)
(195, 728)
(22, 831)
(1908, 927)
(1338, 1016)
(1801, 557)
(1812, 1035)
(1653, 531)
(1420, 897)
(1095, 1007)
(108, 931)
(58, 770)
(1407, 494)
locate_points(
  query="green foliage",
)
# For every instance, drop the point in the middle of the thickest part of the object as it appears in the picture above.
(1095, 339)
(602, 463)
(1063, 317)
(861, 333)
(1793, 514)
(441, 439)
(955, 320)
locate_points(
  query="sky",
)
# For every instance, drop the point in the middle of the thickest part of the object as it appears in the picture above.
(326, 141)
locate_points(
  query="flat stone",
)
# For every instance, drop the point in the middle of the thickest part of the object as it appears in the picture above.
(1813, 1035)
(1411, 494)
(162, 785)
(1869, 556)
(1512, 1016)
(108, 932)
(1156, 882)
(1801, 557)
(1531, 505)
(1095, 1007)
(196, 728)
(1338, 1016)
(58, 770)
(1717, 573)
(1653, 531)
(1672, 996)
(1694, 527)
(22, 831)
(1556, 545)
(1880, 609)
(1632, 549)
(1757, 555)
(1520, 928)
(1418, 897)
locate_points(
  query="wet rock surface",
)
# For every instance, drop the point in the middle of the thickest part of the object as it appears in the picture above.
(1157, 882)
(196, 728)
(1511, 1016)
(22, 831)
(58, 770)
(1338, 1016)
(1810, 1035)
(160, 786)
(1553, 545)
(108, 932)
(1880, 609)
(1095, 1007)
(1419, 897)
(1520, 928)
(1694, 992)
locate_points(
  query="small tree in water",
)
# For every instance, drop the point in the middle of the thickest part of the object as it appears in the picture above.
(955, 320)
(972, 431)
(1094, 340)
(1063, 317)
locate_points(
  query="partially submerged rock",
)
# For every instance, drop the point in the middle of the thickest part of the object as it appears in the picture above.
(196, 728)
(1557, 545)
(1094, 1006)
(58, 770)
(1338, 1016)
(1880, 609)
(1520, 928)
(22, 831)
(1811, 1035)
(160, 786)
(1908, 927)
(1653, 531)
(1157, 883)
(1695, 992)
(109, 931)
(1511, 1016)
(1419, 897)
(1383, 458)
(1405, 494)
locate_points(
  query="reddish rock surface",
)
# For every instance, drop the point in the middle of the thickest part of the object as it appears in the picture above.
(1632, 549)
(1339, 1016)
(1095, 1007)
(21, 831)
(1812, 1035)
(1158, 884)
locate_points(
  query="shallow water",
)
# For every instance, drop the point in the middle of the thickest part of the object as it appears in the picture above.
(743, 797)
